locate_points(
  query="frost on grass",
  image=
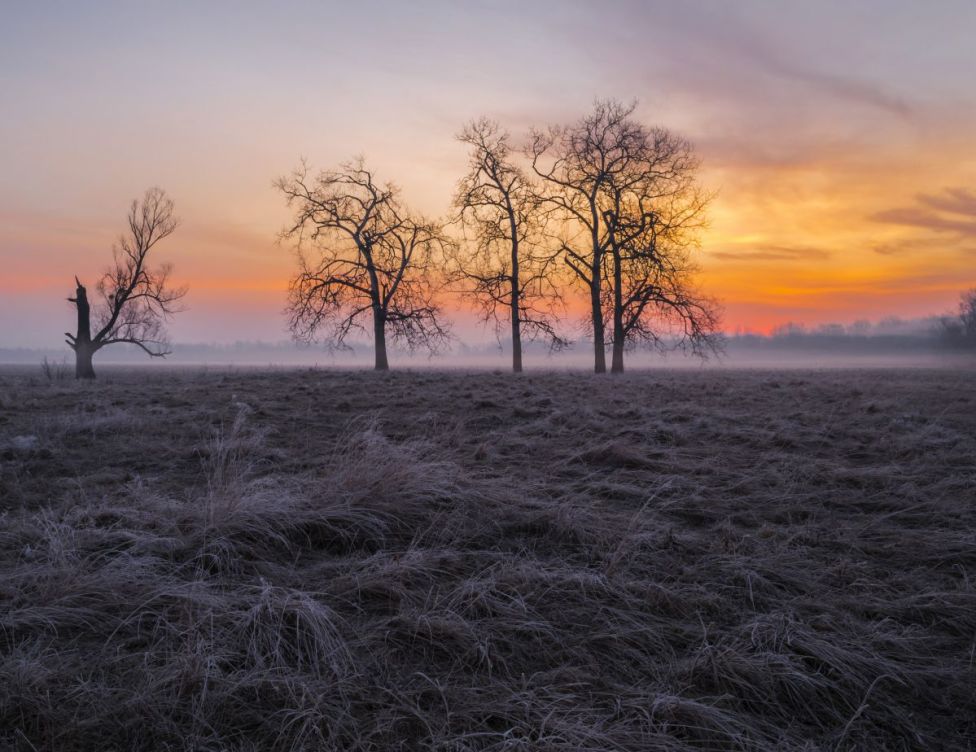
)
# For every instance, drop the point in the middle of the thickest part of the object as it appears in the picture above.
(315, 560)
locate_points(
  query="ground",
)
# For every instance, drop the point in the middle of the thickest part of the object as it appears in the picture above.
(316, 559)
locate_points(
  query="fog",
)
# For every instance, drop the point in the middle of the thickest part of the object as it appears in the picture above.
(790, 348)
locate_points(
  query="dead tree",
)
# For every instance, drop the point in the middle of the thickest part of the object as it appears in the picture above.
(136, 299)
(630, 207)
(361, 255)
(506, 264)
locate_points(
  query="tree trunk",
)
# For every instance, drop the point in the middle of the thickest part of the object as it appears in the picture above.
(82, 345)
(379, 339)
(599, 345)
(516, 317)
(596, 305)
(599, 341)
(617, 365)
(516, 342)
(83, 362)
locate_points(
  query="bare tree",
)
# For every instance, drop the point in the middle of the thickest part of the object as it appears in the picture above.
(136, 299)
(361, 254)
(652, 227)
(967, 314)
(507, 265)
(960, 329)
(573, 162)
(631, 206)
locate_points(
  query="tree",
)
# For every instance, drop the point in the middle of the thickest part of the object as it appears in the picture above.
(508, 266)
(652, 226)
(136, 299)
(361, 254)
(967, 314)
(628, 195)
(960, 329)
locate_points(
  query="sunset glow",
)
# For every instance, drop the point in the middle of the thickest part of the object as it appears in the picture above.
(839, 141)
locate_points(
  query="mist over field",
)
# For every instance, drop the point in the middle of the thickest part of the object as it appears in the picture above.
(906, 344)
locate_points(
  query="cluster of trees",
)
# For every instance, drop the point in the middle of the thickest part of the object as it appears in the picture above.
(605, 206)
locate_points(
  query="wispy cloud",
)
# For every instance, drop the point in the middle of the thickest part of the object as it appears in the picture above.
(952, 200)
(895, 248)
(953, 210)
(851, 89)
(741, 55)
(773, 253)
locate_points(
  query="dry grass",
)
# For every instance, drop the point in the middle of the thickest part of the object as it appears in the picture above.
(315, 560)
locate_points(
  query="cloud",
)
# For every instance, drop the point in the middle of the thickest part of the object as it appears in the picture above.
(918, 217)
(953, 210)
(952, 200)
(895, 249)
(728, 52)
(839, 87)
(773, 253)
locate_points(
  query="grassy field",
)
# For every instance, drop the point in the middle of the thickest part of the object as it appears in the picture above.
(328, 560)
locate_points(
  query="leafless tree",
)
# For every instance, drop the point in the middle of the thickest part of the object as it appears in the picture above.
(632, 208)
(506, 262)
(652, 229)
(361, 254)
(960, 329)
(136, 299)
(967, 314)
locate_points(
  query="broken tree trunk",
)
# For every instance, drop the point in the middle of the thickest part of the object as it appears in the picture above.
(81, 342)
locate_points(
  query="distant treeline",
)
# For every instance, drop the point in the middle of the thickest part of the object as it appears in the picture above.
(892, 334)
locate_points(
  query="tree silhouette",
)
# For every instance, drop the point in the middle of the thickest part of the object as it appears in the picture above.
(652, 226)
(631, 208)
(967, 314)
(361, 254)
(136, 300)
(960, 329)
(507, 265)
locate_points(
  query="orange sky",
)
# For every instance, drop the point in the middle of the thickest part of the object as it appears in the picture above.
(840, 141)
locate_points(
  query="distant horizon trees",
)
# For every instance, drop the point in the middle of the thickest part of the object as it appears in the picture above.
(136, 299)
(605, 203)
(960, 329)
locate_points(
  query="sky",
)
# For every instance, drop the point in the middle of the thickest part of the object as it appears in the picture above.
(839, 138)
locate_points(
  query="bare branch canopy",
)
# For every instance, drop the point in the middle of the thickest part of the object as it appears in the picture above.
(362, 256)
(136, 299)
(505, 260)
(630, 209)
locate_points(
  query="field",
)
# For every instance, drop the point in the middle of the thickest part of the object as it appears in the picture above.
(337, 560)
